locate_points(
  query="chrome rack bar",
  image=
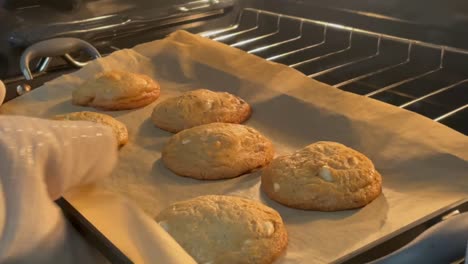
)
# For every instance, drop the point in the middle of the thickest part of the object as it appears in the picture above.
(278, 43)
(323, 41)
(208, 34)
(233, 31)
(234, 26)
(350, 38)
(391, 86)
(228, 36)
(433, 93)
(406, 61)
(377, 53)
(366, 32)
(250, 40)
(438, 119)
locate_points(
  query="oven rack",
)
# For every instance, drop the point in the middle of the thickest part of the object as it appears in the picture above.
(410, 74)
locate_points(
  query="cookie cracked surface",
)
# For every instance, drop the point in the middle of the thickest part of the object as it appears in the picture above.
(199, 107)
(217, 151)
(324, 176)
(226, 229)
(117, 90)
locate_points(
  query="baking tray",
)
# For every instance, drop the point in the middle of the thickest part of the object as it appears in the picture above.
(412, 191)
(373, 251)
(91, 234)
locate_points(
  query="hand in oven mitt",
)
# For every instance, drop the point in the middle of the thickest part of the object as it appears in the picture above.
(40, 160)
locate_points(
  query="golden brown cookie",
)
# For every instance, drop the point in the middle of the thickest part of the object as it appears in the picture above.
(217, 151)
(226, 229)
(199, 107)
(117, 90)
(120, 130)
(324, 176)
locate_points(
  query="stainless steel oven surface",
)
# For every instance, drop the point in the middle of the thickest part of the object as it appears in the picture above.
(410, 54)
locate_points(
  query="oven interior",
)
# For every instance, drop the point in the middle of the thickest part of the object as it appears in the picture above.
(386, 50)
(413, 55)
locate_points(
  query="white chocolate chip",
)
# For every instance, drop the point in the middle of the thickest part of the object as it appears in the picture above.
(269, 228)
(276, 187)
(185, 141)
(108, 94)
(208, 104)
(164, 225)
(246, 244)
(325, 173)
(353, 161)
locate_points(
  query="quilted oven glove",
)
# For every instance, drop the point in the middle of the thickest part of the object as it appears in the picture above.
(35, 155)
(40, 160)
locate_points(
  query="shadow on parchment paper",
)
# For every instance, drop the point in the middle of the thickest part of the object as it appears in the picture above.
(429, 172)
(287, 119)
(377, 210)
(66, 107)
(148, 135)
(186, 186)
(364, 221)
(203, 76)
(216, 80)
(244, 185)
(169, 67)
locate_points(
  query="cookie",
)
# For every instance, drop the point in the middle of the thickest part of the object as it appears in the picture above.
(120, 130)
(117, 90)
(226, 229)
(217, 151)
(324, 176)
(199, 107)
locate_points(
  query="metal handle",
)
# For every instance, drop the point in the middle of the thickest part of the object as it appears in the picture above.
(55, 47)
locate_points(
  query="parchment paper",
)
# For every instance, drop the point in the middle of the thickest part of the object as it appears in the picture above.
(424, 164)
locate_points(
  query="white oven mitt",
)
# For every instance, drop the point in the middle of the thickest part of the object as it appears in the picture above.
(42, 159)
